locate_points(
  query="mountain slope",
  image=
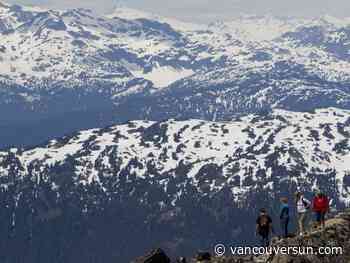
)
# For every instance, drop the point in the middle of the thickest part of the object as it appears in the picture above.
(76, 46)
(163, 178)
(243, 151)
(133, 65)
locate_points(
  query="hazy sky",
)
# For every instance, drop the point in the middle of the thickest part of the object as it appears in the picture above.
(203, 10)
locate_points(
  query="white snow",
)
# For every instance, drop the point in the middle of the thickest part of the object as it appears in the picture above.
(33, 58)
(163, 76)
(199, 143)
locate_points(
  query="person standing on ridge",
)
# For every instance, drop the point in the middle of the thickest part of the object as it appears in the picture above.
(320, 206)
(264, 227)
(303, 205)
(284, 216)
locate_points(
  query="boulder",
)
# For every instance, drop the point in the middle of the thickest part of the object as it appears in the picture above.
(155, 256)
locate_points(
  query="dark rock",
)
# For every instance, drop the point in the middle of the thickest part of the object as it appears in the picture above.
(201, 256)
(155, 256)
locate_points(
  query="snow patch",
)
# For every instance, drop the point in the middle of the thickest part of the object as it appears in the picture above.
(163, 76)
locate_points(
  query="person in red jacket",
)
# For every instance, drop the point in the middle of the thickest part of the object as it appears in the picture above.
(320, 207)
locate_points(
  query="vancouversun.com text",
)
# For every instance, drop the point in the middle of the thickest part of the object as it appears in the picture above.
(222, 250)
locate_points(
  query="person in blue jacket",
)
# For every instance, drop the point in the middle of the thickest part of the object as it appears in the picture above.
(284, 216)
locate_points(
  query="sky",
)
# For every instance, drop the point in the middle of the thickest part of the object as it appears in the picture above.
(209, 10)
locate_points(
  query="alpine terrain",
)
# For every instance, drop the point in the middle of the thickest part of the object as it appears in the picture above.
(58, 67)
(182, 185)
(128, 131)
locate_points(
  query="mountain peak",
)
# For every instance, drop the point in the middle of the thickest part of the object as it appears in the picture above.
(134, 14)
(130, 13)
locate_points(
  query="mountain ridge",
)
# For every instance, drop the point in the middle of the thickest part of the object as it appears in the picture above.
(79, 54)
(247, 143)
(180, 183)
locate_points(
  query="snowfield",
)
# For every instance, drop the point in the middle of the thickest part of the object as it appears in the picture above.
(41, 45)
(298, 147)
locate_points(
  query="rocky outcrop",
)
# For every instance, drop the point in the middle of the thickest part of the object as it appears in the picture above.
(333, 241)
(155, 256)
(336, 236)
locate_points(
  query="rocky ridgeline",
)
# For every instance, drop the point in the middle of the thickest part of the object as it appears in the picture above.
(336, 234)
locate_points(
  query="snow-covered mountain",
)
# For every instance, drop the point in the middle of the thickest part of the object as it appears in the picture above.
(241, 154)
(223, 118)
(56, 64)
(181, 184)
(78, 46)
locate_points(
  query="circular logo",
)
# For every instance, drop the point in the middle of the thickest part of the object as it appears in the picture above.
(219, 250)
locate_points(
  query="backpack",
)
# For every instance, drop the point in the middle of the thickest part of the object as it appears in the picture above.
(321, 203)
(305, 204)
(264, 221)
